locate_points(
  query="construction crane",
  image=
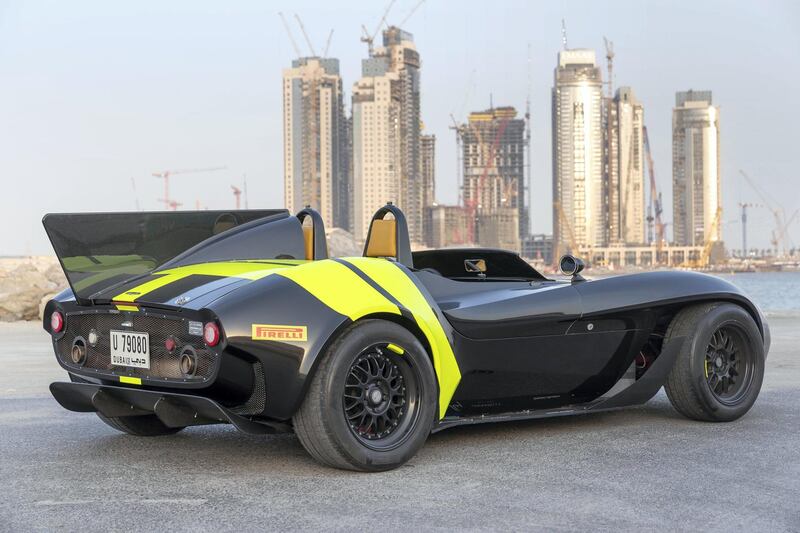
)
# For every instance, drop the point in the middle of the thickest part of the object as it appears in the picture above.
(414, 9)
(610, 66)
(327, 44)
(572, 242)
(705, 254)
(744, 206)
(703, 259)
(297, 51)
(655, 208)
(779, 233)
(368, 37)
(135, 194)
(305, 35)
(165, 175)
(237, 193)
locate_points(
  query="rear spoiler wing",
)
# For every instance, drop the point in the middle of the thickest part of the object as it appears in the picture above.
(100, 250)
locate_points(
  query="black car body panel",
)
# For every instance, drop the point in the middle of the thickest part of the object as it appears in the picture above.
(506, 342)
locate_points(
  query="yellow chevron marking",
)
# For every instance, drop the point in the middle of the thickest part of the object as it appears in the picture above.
(340, 288)
(251, 270)
(398, 284)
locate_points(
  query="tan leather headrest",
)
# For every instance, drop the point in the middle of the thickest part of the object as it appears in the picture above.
(382, 239)
(308, 237)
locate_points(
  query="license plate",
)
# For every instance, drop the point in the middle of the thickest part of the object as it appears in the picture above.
(130, 348)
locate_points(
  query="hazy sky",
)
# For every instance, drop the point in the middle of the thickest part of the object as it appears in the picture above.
(95, 93)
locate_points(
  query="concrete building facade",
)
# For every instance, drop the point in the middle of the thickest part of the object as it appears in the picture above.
(448, 225)
(386, 134)
(314, 132)
(625, 171)
(579, 195)
(697, 203)
(428, 175)
(493, 145)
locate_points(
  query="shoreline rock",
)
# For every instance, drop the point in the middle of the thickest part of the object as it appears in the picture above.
(26, 284)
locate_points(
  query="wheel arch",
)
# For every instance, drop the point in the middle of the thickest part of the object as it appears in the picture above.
(360, 287)
(672, 309)
(401, 320)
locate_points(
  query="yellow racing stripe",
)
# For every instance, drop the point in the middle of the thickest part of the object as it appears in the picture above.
(340, 288)
(394, 281)
(251, 270)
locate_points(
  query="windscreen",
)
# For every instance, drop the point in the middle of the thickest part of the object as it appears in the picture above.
(498, 264)
(100, 250)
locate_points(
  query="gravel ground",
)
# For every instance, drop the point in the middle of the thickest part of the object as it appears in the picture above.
(643, 468)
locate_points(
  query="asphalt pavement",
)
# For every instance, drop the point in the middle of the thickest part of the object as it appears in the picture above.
(643, 468)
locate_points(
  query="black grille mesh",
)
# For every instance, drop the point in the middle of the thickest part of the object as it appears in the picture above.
(163, 365)
(258, 398)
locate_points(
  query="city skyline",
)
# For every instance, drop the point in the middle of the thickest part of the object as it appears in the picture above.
(96, 132)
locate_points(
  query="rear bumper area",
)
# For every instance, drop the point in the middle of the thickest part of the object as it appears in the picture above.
(174, 410)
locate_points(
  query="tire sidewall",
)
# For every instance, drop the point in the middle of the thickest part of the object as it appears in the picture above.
(361, 336)
(726, 314)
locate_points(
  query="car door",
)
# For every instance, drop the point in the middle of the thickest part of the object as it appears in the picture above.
(511, 340)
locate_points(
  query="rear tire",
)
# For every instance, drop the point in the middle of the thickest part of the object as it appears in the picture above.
(720, 367)
(139, 426)
(371, 402)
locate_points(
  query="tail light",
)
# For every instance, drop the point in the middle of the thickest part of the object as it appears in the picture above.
(56, 322)
(211, 334)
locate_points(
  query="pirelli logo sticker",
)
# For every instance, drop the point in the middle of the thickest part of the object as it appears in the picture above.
(271, 332)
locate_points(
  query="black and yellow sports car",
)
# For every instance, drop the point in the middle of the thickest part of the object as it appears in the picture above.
(186, 318)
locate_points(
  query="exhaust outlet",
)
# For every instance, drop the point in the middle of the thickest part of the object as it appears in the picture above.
(78, 351)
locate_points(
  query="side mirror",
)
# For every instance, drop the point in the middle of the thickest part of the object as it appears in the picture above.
(571, 266)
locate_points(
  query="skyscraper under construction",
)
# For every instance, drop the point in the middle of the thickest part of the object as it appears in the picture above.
(696, 204)
(315, 147)
(493, 145)
(386, 134)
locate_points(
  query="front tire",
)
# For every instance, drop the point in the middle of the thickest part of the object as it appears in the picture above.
(719, 370)
(372, 402)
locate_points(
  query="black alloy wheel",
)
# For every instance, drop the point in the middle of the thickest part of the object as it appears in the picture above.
(728, 365)
(381, 397)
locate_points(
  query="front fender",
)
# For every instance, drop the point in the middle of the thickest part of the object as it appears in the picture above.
(662, 288)
(319, 299)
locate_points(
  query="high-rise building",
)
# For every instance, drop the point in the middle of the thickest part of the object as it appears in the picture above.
(579, 199)
(386, 134)
(625, 171)
(314, 130)
(344, 210)
(448, 225)
(696, 197)
(428, 175)
(493, 146)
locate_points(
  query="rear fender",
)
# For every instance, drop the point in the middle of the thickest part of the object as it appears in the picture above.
(316, 302)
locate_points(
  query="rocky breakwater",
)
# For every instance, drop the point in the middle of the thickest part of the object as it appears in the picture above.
(26, 283)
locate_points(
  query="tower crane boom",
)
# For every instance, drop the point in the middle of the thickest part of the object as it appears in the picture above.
(289, 33)
(165, 175)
